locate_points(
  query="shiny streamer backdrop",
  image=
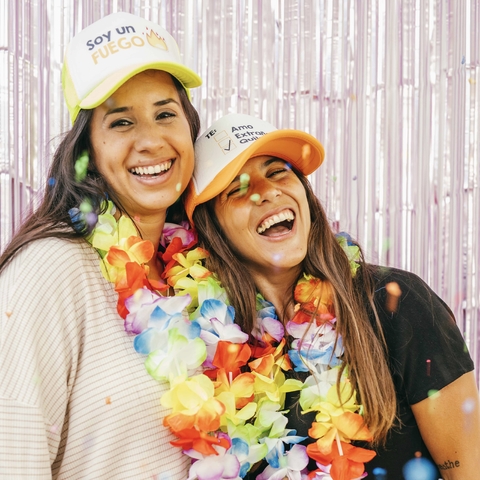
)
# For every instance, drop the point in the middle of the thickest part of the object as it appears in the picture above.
(391, 88)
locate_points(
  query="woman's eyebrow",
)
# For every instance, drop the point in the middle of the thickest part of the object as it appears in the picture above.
(160, 103)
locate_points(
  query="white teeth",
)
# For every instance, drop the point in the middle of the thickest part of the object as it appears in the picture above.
(274, 219)
(151, 169)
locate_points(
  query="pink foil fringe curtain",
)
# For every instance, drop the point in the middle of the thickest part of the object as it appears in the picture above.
(391, 88)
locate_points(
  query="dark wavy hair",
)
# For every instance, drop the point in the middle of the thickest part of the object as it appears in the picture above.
(365, 351)
(62, 192)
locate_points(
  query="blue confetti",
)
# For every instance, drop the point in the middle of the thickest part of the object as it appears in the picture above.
(379, 473)
(419, 469)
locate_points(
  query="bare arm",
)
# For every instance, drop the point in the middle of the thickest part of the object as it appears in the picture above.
(449, 423)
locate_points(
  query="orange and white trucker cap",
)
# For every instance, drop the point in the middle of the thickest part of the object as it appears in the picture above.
(223, 149)
(107, 53)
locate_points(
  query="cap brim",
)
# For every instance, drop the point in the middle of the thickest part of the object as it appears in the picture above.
(99, 94)
(301, 150)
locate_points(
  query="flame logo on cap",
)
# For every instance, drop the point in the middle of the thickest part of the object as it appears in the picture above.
(156, 40)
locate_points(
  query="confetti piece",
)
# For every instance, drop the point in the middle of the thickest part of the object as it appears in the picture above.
(244, 180)
(163, 476)
(53, 429)
(81, 167)
(85, 206)
(136, 218)
(393, 294)
(91, 218)
(379, 473)
(255, 197)
(429, 362)
(51, 182)
(88, 442)
(468, 405)
(419, 468)
(108, 401)
(306, 151)
(354, 177)
(8, 313)
(433, 394)
(178, 187)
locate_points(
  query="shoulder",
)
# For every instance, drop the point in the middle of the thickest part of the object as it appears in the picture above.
(56, 248)
(51, 255)
(420, 331)
(52, 268)
(385, 275)
(401, 292)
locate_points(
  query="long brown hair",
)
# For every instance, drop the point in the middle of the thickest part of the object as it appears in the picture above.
(62, 192)
(365, 351)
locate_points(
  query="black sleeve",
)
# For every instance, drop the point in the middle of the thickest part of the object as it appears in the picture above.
(426, 349)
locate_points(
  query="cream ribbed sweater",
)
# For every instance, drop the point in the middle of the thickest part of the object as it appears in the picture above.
(75, 399)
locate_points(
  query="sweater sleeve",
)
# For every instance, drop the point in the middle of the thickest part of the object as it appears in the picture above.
(41, 311)
(426, 348)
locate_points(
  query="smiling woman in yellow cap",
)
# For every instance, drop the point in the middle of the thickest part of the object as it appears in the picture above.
(75, 400)
(377, 370)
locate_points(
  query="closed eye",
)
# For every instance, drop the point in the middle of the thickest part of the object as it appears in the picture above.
(236, 190)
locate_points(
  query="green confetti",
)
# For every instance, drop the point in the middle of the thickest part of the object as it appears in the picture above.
(433, 394)
(244, 178)
(81, 167)
(255, 197)
(86, 206)
(244, 181)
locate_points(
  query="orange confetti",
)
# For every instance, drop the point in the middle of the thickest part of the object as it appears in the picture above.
(108, 401)
(393, 294)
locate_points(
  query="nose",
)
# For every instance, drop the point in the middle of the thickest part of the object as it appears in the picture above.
(149, 138)
(264, 191)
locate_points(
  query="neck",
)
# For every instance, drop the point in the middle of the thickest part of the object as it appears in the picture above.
(277, 288)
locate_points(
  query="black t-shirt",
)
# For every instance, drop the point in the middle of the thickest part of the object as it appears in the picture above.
(426, 353)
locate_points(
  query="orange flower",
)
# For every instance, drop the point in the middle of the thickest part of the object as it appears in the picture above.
(344, 467)
(263, 364)
(134, 249)
(200, 441)
(231, 356)
(315, 299)
(348, 426)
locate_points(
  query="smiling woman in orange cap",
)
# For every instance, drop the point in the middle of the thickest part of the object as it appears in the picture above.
(384, 377)
(75, 400)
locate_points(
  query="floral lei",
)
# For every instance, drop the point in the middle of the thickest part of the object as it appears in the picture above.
(227, 388)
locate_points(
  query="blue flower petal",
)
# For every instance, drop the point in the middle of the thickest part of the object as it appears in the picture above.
(141, 343)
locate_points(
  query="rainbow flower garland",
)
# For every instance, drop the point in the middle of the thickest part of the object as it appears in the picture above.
(227, 388)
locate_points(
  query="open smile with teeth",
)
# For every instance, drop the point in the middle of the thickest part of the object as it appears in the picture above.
(152, 169)
(280, 222)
